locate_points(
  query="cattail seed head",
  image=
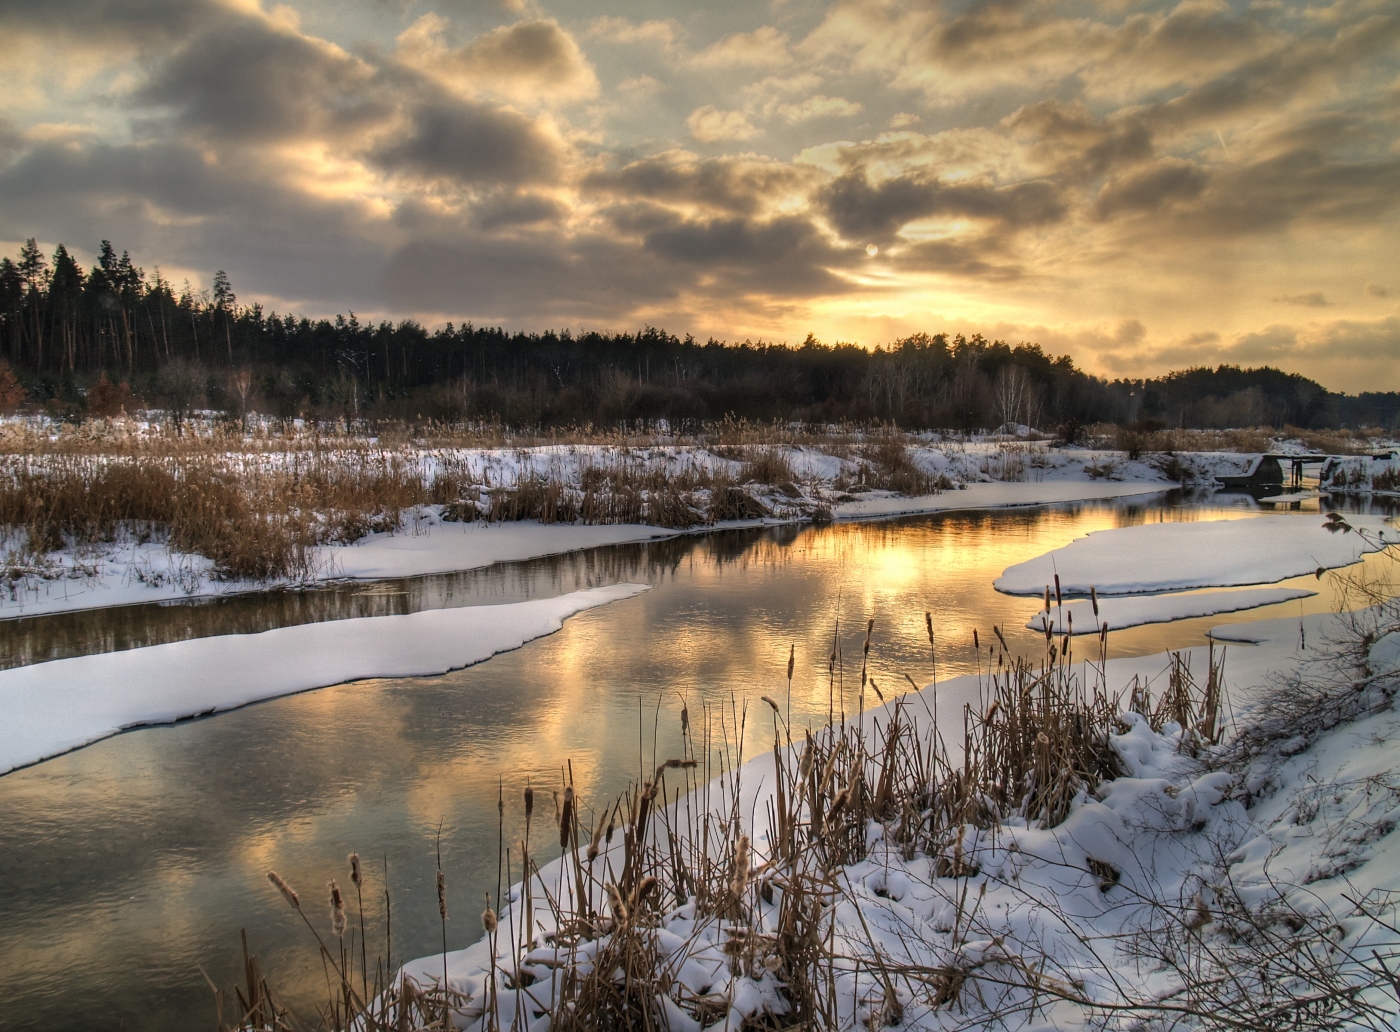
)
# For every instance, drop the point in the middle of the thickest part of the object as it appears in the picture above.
(566, 819)
(488, 917)
(442, 894)
(975, 643)
(619, 908)
(645, 888)
(593, 846)
(287, 893)
(1094, 599)
(356, 876)
(612, 826)
(529, 804)
(838, 804)
(685, 719)
(928, 623)
(1047, 598)
(771, 703)
(792, 659)
(337, 909)
(740, 881)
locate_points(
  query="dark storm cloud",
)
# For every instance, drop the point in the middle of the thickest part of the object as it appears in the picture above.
(471, 143)
(863, 211)
(244, 78)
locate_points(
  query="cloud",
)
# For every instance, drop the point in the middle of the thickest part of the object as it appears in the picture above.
(764, 47)
(1312, 299)
(530, 61)
(861, 210)
(469, 142)
(747, 186)
(653, 33)
(819, 106)
(1151, 188)
(709, 124)
(253, 78)
(1377, 290)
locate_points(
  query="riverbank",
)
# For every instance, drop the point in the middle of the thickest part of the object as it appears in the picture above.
(112, 533)
(1231, 856)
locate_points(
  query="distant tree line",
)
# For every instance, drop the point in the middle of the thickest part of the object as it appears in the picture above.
(114, 337)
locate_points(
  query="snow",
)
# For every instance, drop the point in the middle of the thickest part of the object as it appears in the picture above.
(991, 495)
(1301, 836)
(1213, 553)
(446, 547)
(50, 708)
(1134, 610)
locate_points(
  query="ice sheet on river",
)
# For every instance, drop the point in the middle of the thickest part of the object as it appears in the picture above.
(1135, 610)
(50, 708)
(1209, 554)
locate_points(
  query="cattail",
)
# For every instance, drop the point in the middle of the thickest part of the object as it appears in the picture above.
(877, 689)
(992, 711)
(1058, 601)
(284, 888)
(1094, 599)
(529, 804)
(792, 659)
(804, 765)
(869, 630)
(619, 908)
(928, 623)
(838, 804)
(337, 908)
(770, 702)
(566, 818)
(593, 846)
(975, 643)
(1042, 738)
(1047, 598)
(740, 881)
(442, 894)
(612, 826)
(644, 889)
(488, 917)
(356, 877)
(685, 719)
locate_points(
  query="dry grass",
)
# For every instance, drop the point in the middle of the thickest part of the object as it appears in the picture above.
(677, 842)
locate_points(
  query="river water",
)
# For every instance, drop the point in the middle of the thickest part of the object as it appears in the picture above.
(128, 866)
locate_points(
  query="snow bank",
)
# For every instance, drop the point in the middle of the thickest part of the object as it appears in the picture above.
(1085, 906)
(448, 547)
(50, 708)
(992, 495)
(1210, 554)
(1136, 610)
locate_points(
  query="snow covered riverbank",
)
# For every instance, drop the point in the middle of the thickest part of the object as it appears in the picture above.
(1206, 885)
(50, 708)
(130, 572)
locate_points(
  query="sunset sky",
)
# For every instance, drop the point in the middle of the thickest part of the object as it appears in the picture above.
(1143, 185)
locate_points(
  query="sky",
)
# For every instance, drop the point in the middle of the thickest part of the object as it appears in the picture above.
(1145, 186)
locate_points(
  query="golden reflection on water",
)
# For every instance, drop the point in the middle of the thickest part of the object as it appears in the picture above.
(126, 864)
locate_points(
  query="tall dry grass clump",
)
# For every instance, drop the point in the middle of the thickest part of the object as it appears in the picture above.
(697, 861)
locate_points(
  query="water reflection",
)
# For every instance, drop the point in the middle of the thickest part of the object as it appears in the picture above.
(125, 865)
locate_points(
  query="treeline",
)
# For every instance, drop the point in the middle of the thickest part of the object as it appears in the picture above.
(112, 337)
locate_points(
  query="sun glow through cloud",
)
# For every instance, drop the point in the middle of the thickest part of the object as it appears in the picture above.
(1222, 177)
